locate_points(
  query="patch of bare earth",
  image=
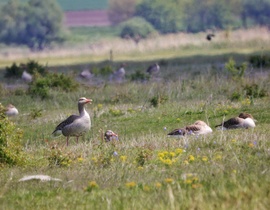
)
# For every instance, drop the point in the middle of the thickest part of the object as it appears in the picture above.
(86, 18)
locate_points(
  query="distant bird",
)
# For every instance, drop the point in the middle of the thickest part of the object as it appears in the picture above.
(198, 128)
(86, 74)
(75, 125)
(119, 75)
(210, 36)
(153, 70)
(11, 110)
(27, 77)
(109, 135)
(244, 120)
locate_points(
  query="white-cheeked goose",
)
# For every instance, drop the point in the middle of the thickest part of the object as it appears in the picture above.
(244, 120)
(75, 125)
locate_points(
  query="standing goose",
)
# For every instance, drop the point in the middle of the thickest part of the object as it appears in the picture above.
(75, 125)
(198, 128)
(244, 120)
(11, 110)
(153, 70)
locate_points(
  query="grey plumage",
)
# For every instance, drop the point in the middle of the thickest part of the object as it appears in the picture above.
(244, 120)
(75, 125)
(199, 127)
(153, 70)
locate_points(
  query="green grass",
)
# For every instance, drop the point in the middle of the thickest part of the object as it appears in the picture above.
(222, 170)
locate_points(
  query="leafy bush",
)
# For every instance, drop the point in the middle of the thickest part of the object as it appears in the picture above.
(236, 96)
(11, 149)
(57, 157)
(104, 71)
(259, 61)
(139, 76)
(236, 71)
(13, 71)
(31, 67)
(41, 85)
(254, 91)
(157, 100)
(136, 27)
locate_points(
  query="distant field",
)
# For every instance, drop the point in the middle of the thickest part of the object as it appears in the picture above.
(77, 5)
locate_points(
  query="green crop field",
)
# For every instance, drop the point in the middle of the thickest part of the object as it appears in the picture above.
(77, 5)
(145, 169)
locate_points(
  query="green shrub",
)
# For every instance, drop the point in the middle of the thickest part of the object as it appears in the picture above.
(139, 76)
(41, 85)
(57, 157)
(236, 96)
(236, 71)
(259, 61)
(31, 67)
(157, 100)
(104, 71)
(136, 27)
(11, 149)
(254, 91)
(13, 71)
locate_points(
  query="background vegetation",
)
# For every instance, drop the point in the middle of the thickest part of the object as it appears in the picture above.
(199, 79)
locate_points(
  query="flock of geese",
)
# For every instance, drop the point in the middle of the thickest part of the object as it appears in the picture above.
(78, 125)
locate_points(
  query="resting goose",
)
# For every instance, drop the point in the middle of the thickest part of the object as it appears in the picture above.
(198, 128)
(244, 120)
(11, 110)
(109, 135)
(75, 125)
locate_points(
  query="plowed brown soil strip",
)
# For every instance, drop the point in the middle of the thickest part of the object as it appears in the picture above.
(86, 18)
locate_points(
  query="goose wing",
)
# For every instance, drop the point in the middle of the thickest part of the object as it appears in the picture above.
(193, 128)
(177, 132)
(231, 123)
(67, 121)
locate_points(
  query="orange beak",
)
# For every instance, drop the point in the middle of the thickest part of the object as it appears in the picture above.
(89, 101)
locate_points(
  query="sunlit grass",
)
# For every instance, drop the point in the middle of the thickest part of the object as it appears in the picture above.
(145, 169)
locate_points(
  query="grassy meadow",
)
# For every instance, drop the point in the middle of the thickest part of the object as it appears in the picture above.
(145, 169)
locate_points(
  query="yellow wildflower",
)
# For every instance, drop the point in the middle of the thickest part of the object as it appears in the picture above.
(94, 159)
(99, 106)
(93, 184)
(123, 158)
(188, 181)
(218, 157)
(158, 185)
(169, 180)
(204, 158)
(140, 168)
(191, 158)
(146, 188)
(130, 185)
(186, 162)
(179, 151)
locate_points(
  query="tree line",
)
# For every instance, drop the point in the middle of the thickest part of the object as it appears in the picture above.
(37, 24)
(193, 16)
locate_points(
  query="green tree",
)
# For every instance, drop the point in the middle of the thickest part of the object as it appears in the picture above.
(36, 23)
(165, 16)
(121, 10)
(257, 12)
(208, 14)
